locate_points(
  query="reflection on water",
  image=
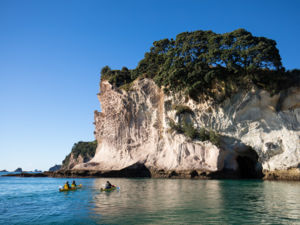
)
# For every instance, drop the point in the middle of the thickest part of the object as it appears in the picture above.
(149, 201)
(158, 199)
(195, 201)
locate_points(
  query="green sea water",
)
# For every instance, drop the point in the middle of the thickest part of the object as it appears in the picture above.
(149, 201)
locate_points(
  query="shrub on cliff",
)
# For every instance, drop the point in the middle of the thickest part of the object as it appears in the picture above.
(195, 61)
(190, 131)
(175, 127)
(214, 137)
(181, 109)
(203, 134)
(193, 133)
(116, 77)
(84, 149)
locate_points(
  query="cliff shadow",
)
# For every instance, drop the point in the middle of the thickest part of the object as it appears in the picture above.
(138, 170)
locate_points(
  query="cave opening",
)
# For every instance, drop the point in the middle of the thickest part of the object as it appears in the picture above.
(248, 166)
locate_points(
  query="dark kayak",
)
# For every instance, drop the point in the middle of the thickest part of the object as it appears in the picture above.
(109, 189)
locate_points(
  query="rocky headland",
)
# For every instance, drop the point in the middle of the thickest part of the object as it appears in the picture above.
(82, 151)
(197, 107)
(255, 136)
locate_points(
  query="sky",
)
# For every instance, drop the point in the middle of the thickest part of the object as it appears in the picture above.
(51, 54)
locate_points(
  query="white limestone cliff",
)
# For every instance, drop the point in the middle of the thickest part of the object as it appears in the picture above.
(133, 127)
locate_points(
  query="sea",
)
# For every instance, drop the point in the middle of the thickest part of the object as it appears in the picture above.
(149, 201)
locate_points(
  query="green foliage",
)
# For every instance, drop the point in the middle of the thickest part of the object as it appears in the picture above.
(203, 134)
(66, 161)
(105, 70)
(175, 127)
(195, 61)
(127, 87)
(181, 109)
(116, 77)
(190, 131)
(276, 81)
(214, 138)
(85, 149)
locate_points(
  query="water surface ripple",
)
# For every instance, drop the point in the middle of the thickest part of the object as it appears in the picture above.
(149, 201)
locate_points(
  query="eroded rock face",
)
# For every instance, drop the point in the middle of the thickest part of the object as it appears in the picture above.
(73, 161)
(133, 128)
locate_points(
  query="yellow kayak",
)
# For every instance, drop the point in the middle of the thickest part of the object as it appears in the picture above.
(109, 189)
(71, 189)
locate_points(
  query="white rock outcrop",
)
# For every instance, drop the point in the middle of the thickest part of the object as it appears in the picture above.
(133, 127)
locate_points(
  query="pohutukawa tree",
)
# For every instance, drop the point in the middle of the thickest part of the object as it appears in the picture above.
(194, 59)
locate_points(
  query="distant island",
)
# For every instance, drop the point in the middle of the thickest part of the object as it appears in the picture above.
(54, 168)
(19, 170)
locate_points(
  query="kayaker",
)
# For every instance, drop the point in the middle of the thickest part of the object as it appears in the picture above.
(73, 185)
(108, 185)
(67, 186)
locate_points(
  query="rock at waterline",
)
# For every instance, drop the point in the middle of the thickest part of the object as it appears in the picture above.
(19, 170)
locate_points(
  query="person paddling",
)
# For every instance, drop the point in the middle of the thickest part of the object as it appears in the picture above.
(108, 185)
(73, 185)
(67, 186)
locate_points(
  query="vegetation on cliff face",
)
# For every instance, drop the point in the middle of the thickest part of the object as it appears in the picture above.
(193, 133)
(203, 62)
(84, 149)
(181, 109)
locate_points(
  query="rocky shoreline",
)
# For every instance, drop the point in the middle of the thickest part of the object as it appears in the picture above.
(132, 174)
(142, 172)
(24, 174)
(292, 174)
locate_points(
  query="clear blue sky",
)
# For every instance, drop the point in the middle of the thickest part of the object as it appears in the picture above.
(51, 53)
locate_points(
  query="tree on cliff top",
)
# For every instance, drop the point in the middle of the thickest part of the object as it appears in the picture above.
(194, 59)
